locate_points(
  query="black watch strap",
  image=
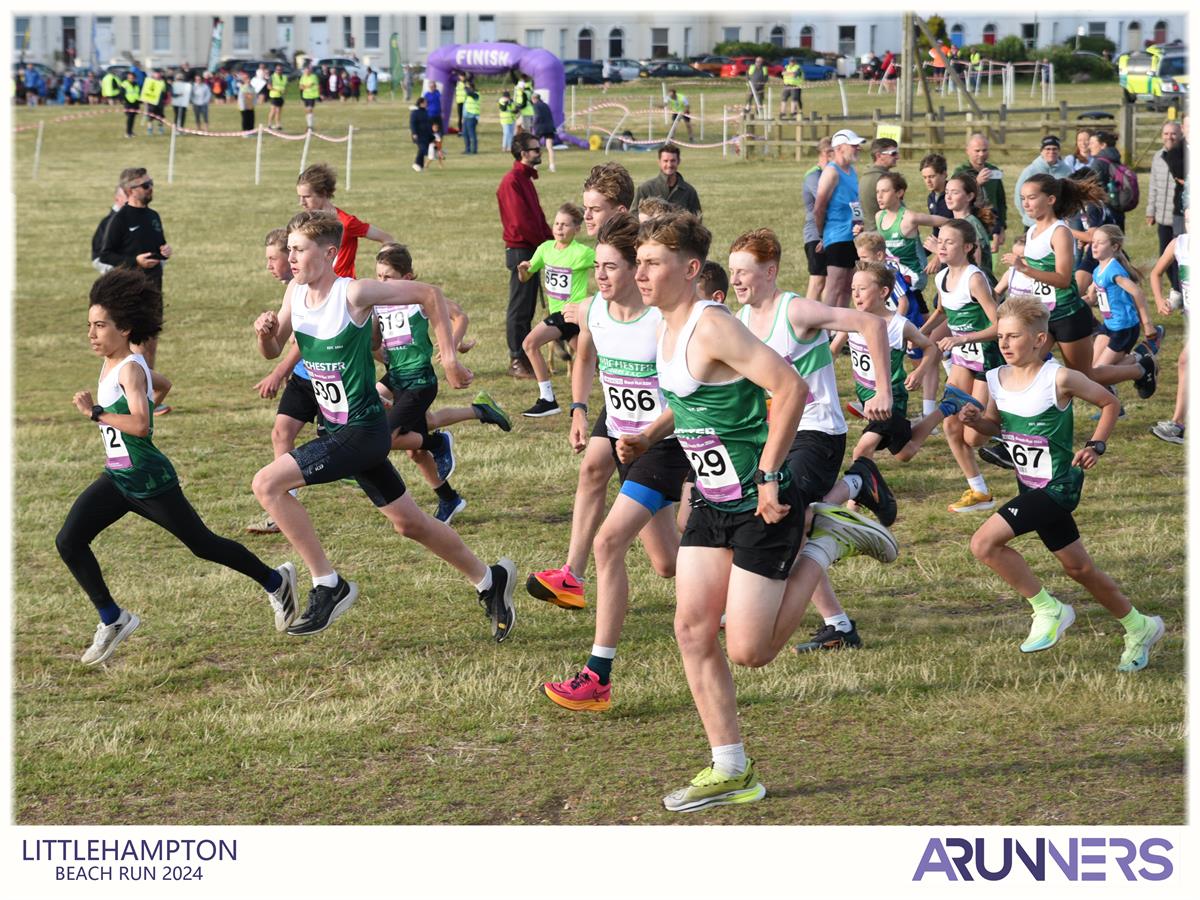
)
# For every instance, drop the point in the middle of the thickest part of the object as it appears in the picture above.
(97, 412)
(575, 406)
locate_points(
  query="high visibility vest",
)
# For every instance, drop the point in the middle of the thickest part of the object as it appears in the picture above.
(471, 105)
(460, 92)
(110, 85)
(152, 90)
(278, 85)
(309, 87)
(678, 105)
(527, 109)
(131, 91)
(751, 69)
(976, 58)
(793, 75)
(508, 113)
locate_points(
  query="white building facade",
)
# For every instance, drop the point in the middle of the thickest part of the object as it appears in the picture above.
(170, 40)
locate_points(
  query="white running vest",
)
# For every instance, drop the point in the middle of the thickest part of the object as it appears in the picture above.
(626, 357)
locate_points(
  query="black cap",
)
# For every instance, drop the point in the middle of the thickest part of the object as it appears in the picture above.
(1051, 140)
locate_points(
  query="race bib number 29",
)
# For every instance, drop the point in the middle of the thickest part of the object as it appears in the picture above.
(331, 396)
(716, 477)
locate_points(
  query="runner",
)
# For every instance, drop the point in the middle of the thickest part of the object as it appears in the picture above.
(620, 333)
(315, 188)
(797, 329)
(411, 385)
(335, 340)
(836, 210)
(1031, 409)
(748, 525)
(125, 310)
(1178, 251)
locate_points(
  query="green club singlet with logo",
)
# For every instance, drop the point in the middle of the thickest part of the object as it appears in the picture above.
(136, 466)
(1039, 253)
(863, 366)
(337, 355)
(909, 250)
(722, 428)
(407, 346)
(1039, 434)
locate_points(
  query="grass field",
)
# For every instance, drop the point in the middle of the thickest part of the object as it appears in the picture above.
(405, 711)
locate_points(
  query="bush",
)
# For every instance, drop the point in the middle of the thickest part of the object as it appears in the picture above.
(1009, 49)
(1067, 65)
(769, 52)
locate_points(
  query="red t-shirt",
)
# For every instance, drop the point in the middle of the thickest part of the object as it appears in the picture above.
(352, 230)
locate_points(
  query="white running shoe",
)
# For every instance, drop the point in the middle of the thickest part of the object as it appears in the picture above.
(108, 636)
(283, 601)
(853, 533)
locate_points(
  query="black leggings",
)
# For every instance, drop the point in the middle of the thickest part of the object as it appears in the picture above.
(422, 151)
(102, 504)
(131, 114)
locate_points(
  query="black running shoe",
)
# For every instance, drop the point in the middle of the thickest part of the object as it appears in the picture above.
(1148, 383)
(325, 605)
(997, 454)
(827, 637)
(498, 600)
(543, 408)
(875, 495)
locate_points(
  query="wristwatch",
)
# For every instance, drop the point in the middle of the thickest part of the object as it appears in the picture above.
(761, 477)
(575, 406)
(97, 412)
(1097, 447)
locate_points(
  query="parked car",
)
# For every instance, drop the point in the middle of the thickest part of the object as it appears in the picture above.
(585, 71)
(674, 69)
(738, 65)
(712, 64)
(352, 66)
(629, 68)
(1157, 76)
(817, 72)
(251, 66)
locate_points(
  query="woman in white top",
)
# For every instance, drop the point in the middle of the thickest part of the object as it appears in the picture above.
(181, 96)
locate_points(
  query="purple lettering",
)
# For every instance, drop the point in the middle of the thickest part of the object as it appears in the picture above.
(1164, 863)
(934, 860)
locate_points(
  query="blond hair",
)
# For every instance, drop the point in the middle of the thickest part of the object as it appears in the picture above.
(1029, 311)
(318, 225)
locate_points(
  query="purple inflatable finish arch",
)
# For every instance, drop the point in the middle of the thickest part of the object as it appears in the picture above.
(542, 66)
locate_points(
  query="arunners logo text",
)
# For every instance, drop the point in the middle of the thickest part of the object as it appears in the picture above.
(1068, 859)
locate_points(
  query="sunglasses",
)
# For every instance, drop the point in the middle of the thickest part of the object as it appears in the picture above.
(148, 183)
(889, 152)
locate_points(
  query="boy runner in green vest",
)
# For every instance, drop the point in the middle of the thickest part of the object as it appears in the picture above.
(1030, 408)
(331, 318)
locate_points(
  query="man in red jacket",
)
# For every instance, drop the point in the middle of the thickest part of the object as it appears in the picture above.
(524, 228)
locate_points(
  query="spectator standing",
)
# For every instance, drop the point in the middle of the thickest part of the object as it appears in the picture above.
(1163, 207)
(181, 98)
(681, 110)
(154, 96)
(460, 97)
(276, 92)
(1048, 162)
(816, 261)
(1102, 145)
(544, 128)
(933, 173)
(406, 82)
(420, 127)
(835, 212)
(991, 184)
(102, 229)
(1082, 155)
(525, 228)
(110, 88)
(133, 103)
(471, 112)
(885, 155)
(756, 84)
(310, 93)
(793, 81)
(372, 85)
(247, 96)
(201, 97)
(669, 184)
(508, 119)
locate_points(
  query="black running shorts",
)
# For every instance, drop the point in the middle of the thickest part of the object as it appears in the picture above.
(407, 412)
(1036, 510)
(568, 330)
(766, 550)
(815, 462)
(1074, 327)
(842, 254)
(896, 431)
(817, 262)
(662, 468)
(297, 400)
(354, 451)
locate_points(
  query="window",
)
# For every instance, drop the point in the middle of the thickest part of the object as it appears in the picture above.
(241, 32)
(347, 32)
(422, 33)
(135, 32)
(806, 37)
(758, 34)
(447, 29)
(1096, 29)
(585, 44)
(846, 42)
(371, 32)
(562, 43)
(616, 43)
(733, 33)
(1029, 34)
(20, 27)
(957, 34)
(533, 38)
(659, 38)
(778, 36)
(487, 28)
(989, 33)
(162, 34)
(1160, 32)
(68, 30)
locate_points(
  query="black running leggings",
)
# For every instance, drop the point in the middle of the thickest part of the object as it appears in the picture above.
(102, 504)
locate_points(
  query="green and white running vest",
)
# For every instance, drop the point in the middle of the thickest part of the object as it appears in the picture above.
(1039, 433)
(407, 345)
(814, 362)
(908, 250)
(964, 315)
(1039, 253)
(627, 357)
(721, 427)
(864, 369)
(136, 466)
(337, 355)
(1183, 257)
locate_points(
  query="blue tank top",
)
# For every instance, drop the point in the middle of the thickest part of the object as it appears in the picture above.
(843, 210)
(1113, 301)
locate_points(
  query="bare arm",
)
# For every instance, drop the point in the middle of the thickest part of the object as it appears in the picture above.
(1070, 384)
(1139, 301)
(273, 329)
(1156, 277)
(806, 315)
(986, 422)
(137, 421)
(1063, 275)
(160, 386)
(930, 356)
(825, 187)
(365, 295)
(378, 234)
(582, 375)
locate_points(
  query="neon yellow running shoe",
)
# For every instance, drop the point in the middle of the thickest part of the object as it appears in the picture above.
(1048, 627)
(710, 788)
(854, 534)
(1138, 644)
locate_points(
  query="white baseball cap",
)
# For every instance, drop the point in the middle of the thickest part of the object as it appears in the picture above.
(846, 136)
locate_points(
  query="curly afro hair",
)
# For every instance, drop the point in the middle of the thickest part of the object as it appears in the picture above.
(132, 301)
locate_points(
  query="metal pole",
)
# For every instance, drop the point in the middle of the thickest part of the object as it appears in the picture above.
(37, 150)
(304, 153)
(842, 91)
(989, 78)
(171, 157)
(349, 152)
(702, 116)
(724, 131)
(572, 102)
(649, 123)
(258, 157)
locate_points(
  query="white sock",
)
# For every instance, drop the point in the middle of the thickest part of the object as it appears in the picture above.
(928, 406)
(546, 390)
(841, 622)
(729, 759)
(854, 482)
(946, 365)
(978, 484)
(329, 580)
(604, 652)
(486, 583)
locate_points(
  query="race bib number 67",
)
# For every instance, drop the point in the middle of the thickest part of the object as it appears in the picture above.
(1031, 456)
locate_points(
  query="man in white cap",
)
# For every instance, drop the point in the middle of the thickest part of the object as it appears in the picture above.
(836, 211)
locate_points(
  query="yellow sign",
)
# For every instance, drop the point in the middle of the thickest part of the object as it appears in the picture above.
(889, 131)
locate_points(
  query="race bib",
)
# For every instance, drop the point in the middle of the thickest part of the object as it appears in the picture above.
(556, 282)
(715, 475)
(1102, 302)
(1045, 293)
(861, 364)
(969, 356)
(633, 402)
(1031, 456)
(114, 448)
(394, 326)
(331, 396)
(856, 210)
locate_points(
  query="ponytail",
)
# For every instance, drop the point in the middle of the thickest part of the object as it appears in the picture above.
(1070, 196)
(1117, 236)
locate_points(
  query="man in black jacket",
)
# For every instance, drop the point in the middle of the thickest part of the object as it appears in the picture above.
(102, 229)
(421, 128)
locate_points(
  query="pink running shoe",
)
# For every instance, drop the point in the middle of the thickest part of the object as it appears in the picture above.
(584, 691)
(557, 586)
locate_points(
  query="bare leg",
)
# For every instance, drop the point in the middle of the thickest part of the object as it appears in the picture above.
(590, 495)
(816, 286)
(283, 434)
(1079, 566)
(990, 546)
(423, 460)
(837, 286)
(626, 518)
(700, 591)
(271, 485)
(449, 415)
(411, 521)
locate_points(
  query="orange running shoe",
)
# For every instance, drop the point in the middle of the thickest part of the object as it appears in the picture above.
(557, 586)
(583, 692)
